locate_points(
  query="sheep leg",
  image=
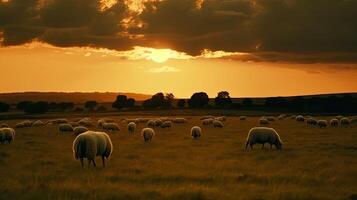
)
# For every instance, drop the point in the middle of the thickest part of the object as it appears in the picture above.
(94, 163)
(82, 162)
(251, 146)
(263, 146)
(103, 161)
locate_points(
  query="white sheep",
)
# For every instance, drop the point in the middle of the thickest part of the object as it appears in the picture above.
(179, 120)
(262, 135)
(322, 123)
(131, 127)
(242, 117)
(65, 127)
(207, 121)
(196, 132)
(158, 122)
(151, 123)
(300, 118)
(339, 117)
(222, 119)
(311, 121)
(166, 124)
(79, 130)
(344, 121)
(148, 134)
(57, 121)
(263, 121)
(74, 124)
(110, 127)
(24, 124)
(282, 116)
(91, 144)
(38, 123)
(7, 135)
(4, 125)
(217, 124)
(87, 122)
(271, 119)
(143, 120)
(334, 122)
(207, 117)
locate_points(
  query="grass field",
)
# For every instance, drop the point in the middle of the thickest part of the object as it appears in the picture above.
(314, 164)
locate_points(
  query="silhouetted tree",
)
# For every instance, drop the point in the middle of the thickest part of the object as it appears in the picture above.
(247, 102)
(101, 108)
(4, 107)
(23, 104)
(223, 99)
(130, 103)
(123, 102)
(36, 107)
(90, 105)
(181, 103)
(198, 100)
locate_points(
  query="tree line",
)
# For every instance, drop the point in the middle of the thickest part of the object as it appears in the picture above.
(200, 100)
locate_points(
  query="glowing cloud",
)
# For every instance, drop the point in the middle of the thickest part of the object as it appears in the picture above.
(163, 69)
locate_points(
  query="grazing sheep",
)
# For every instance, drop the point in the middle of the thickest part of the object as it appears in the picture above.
(158, 122)
(151, 123)
(147, 134)
(196, 132)
(38, 123)
(217, 124)
(91, 144)
(339, 117)
(242, 117)
(143, 120)
(57, 121)
(262, 135)
(179, 120)
(282, 116)
(87, 122)
(311, 121)
(74, 124)
(136, 121)
(207, 117)
(263, 121)
(208, 121)
(344, 121)
(79, 130)
(131, 127)
(166, 124)
(271, 119)
(65, 128)
(110, 127)
(4, 125)
(300, 118)
(222, 119)
(293, 117)
(334, 122)
(24, 124)
(7, 135)
(322, 123)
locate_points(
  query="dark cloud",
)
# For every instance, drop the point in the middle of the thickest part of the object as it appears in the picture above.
(300, 31)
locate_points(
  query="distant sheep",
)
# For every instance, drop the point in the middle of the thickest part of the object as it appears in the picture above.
(87, 122)
(167, 124)
(262, 135)
(322, 123)
(196, 132)
(334, 122)
(65, 128)
(7, 135)
(74, 124)
(344, 121)
(151, 123)
(4, 125)
(91, 144)
(79, 130)
(131, 127)
(222, 119)
(271, 119)
(24, 124)
(282, 116)
(38, 123)
(158, 122)
(293, 117)
(148, 134)
(207, 117)
(136, 121)
(242, 118)
(311, 121)
(263, 121)
(339, 117)
(217, 124)
(300, 118)
(57, 121)
(104, 120)
(208, 121)
(179, 120)
(110, 127)
(143, 120)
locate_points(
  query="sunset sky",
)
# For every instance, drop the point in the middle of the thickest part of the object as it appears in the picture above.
(247, 47)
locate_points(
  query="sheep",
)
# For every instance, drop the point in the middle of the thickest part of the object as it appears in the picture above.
(91, 144)
(74, 124)
(222, 119)
(104, 120)
(110, 127)
(65, 127)
(24, 124)
(242, 118)
(217, 124)
(196, 132)
(208, 121)
(79, 130)
(262, 135)
(263, 121)
(148, 134)
(311, 121)
(344, 121)
(131, 127)
(58, 121)
(136, 121)
(207, 117)
(300, 118)
(4, 125)
(282, 116)
(271, 119)
(7, 135)
(143, 120)
(158, 122)
(293, 117)
(87, 122)
(322, 123)
(334, 122)
(151, 123)
(179, 120)
(339, 117)
(38, 123)
(167, 124)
